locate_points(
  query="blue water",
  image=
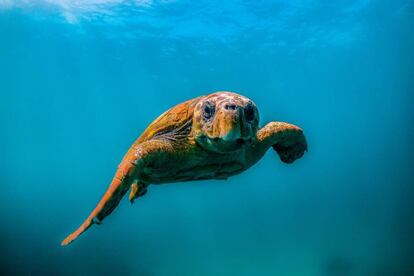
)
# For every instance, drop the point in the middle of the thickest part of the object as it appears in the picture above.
(80, 80)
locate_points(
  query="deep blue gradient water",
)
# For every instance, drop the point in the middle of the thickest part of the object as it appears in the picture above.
(80, 80)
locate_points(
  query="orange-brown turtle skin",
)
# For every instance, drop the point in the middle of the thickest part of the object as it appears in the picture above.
(209, 137)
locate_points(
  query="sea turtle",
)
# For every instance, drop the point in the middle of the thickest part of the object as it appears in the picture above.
(209, 137)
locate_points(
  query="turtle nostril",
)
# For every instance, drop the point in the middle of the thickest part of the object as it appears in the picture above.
(230, 106)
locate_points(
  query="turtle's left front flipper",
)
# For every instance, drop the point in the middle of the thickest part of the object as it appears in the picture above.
(286, 139)
(126, 175)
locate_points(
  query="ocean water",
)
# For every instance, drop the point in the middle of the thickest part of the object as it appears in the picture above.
(80, 80)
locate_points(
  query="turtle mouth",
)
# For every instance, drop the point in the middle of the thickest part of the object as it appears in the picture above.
(239, 141)
(219, 144)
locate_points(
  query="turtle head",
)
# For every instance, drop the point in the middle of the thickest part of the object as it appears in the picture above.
(225, 122)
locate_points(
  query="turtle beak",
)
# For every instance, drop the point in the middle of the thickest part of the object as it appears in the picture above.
(230, 122)
(233, 133)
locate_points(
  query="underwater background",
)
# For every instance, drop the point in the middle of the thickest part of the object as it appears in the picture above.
(80, 80)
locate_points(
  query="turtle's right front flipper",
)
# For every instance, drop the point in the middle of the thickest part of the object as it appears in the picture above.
(127, 173)
(286, 139)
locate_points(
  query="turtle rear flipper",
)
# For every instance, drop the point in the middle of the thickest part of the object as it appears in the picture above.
(137, 189)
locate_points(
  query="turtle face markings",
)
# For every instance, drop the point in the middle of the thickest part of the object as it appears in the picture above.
(225, 122)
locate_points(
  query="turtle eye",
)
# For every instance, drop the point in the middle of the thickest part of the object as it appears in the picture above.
(208, 111)
(249, 112)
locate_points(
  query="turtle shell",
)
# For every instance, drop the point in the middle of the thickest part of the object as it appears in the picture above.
(173, 124)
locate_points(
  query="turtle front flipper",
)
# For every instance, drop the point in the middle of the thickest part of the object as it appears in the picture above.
(286, 139)
(128, 171)
(117, 189)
